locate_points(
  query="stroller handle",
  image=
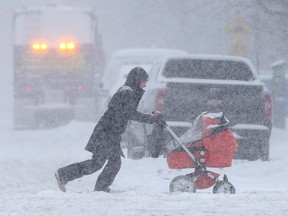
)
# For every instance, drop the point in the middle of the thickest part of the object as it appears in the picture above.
(181, 144)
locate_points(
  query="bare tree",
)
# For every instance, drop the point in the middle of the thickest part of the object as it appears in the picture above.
(275, 7)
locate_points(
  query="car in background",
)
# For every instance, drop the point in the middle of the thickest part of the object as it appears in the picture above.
(182, 87)
(278, 86)
(121, 62)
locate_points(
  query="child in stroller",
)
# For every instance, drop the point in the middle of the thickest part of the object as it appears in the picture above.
(208, 143)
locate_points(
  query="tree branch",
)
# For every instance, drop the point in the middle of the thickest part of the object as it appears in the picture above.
(270, 11)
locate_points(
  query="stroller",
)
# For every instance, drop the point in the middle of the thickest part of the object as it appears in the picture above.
(208, 143)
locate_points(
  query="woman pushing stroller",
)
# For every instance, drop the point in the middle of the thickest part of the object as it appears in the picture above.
(104, 142)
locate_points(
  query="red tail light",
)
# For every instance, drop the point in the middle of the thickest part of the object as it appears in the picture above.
(159, 101)
(267, 107)
(28, 88)
(80, 87)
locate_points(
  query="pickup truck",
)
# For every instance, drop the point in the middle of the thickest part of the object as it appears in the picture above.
(183, 86)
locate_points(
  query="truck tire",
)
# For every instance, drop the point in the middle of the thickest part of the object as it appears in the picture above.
(265, 150)
(259, 149)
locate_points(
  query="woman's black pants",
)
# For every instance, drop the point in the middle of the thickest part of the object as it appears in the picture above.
(106, 177)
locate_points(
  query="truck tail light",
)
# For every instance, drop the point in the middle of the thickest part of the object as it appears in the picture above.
(80, 87)
(267, 107)
(28, 88)
(159, 100)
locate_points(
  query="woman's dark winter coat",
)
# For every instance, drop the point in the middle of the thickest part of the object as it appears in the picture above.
(121, 109)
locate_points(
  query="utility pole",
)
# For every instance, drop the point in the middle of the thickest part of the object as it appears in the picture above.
(257, 36)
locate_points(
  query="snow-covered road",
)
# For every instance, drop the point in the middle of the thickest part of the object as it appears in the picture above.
(29, 158)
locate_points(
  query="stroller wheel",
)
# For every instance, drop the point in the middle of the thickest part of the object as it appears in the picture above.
(182, 184)
(224, 186)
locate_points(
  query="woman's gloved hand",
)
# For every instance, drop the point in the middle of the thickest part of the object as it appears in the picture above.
(159, 119)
